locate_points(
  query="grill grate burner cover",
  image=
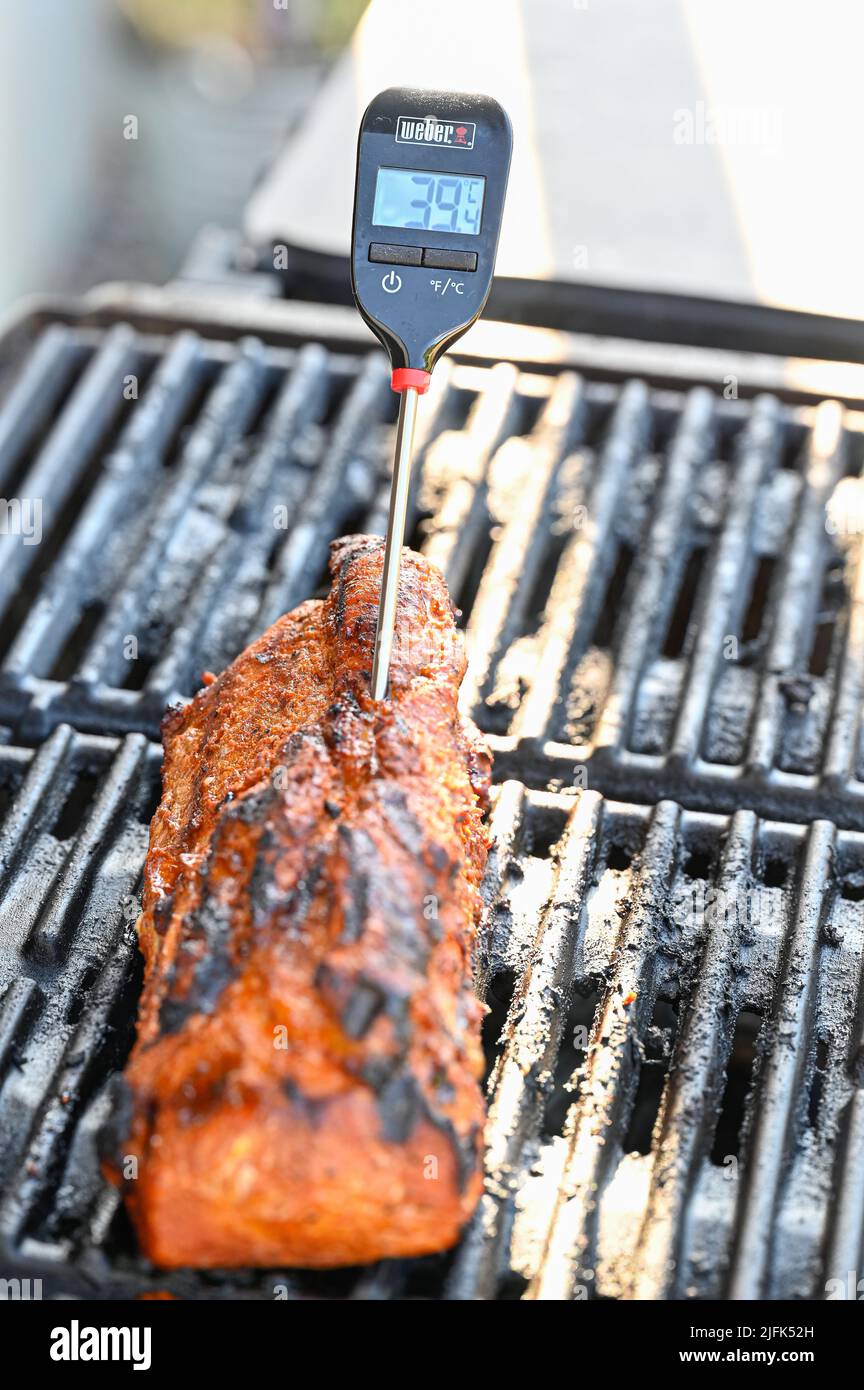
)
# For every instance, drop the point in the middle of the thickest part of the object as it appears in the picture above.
(655, 609)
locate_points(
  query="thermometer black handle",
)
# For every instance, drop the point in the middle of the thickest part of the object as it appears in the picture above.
(431, 178)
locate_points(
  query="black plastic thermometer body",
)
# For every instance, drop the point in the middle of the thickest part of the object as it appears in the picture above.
(431, 177)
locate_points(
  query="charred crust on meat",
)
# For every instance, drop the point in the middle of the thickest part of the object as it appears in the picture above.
(466, 1153)
(343, 553)
(212, 966)
(346, 549)
(336, 737)
(252, 808)
(174, 1014)
(267, 900)
(337, 731)
(377, 1071)
(355, 909)
(402, 822)
(312, 1110)
(163, 910)
(439, 859)
(174, 718)
(357, 1000)
(400, 1106)
(359, 849)
(362, 1008)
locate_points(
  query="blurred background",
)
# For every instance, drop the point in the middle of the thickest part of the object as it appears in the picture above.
(679, 146)
(215, 87)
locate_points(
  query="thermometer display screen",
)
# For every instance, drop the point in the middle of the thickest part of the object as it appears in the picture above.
(428, 201)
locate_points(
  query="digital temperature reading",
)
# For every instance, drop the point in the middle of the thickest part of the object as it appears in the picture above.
(428, 201)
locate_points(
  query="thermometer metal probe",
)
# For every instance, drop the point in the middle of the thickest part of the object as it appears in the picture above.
(395, 536)
(429, 193)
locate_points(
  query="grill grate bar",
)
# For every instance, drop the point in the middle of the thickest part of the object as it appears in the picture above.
(530, 467)
(34, 396)
(37, 802)
(846, 1222)
(585, 566)
(275, 479)
(693, 1096)
(344, 480)
(63, 460)
(721, 615)
(74, 897)
(779, 1088)
(129, 474)
(845, 1244)
(49, 938)
(600, 1117)
(19, 1001)
(844, 730)
(461, 522)
(649, 605)
(531, 1039)
(231, 404)
(795, 610)
(81, 1069)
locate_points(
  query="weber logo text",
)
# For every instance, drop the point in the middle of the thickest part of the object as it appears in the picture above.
(77, 1343)
(427, 130)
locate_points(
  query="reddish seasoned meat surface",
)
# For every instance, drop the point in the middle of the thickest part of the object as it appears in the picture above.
(304, 1085)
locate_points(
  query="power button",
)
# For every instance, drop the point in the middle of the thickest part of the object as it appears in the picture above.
(392, 282)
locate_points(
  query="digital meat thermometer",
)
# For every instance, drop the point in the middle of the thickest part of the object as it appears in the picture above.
(431, 177)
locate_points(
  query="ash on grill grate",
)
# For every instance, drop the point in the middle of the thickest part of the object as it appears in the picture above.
(711, 1143)
(658, 980)
(661, 590)
(187, 492)
(72, 841)
(674, 607)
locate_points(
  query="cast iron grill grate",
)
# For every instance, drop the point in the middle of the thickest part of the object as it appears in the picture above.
(674, 609)
(674, 1050)
(656, 611)
(661, 589)
(187, 491)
